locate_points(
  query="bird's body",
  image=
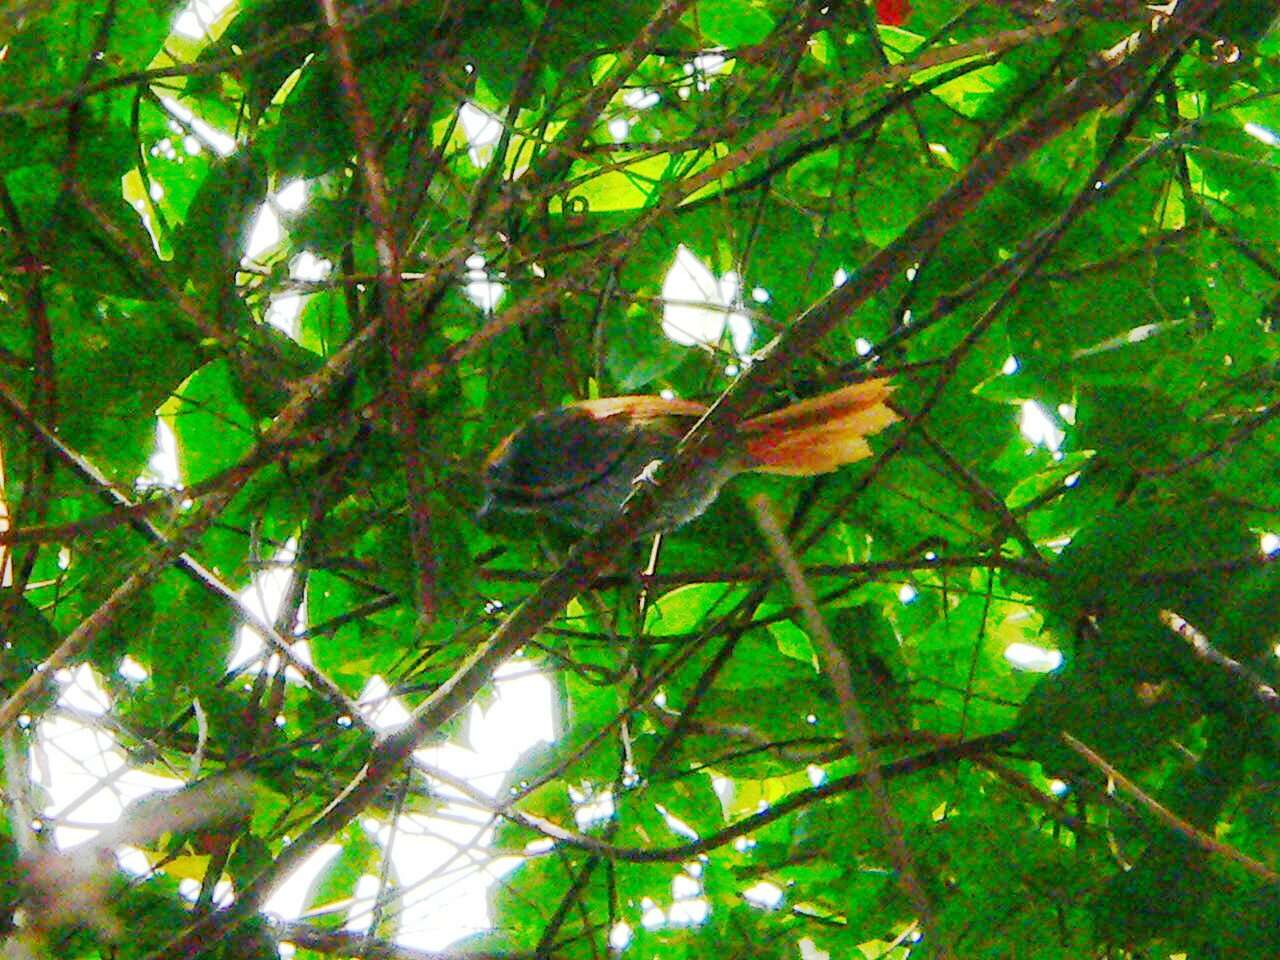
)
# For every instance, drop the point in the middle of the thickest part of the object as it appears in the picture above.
(578, 464)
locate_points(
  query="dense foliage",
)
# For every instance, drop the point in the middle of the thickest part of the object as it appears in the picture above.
(1049, 597)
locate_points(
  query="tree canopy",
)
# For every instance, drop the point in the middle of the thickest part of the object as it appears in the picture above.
(1005, 689)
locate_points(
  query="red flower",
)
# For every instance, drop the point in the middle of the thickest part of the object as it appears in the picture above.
(893, 13)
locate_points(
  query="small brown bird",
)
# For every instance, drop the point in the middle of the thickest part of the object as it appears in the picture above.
(578, 464)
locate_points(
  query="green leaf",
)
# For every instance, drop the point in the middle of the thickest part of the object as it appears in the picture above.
(732, 24)
(684, 608)
(793, 642)
(212, 427)
(215, 233)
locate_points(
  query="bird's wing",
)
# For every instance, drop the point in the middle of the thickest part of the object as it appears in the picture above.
(642, 410)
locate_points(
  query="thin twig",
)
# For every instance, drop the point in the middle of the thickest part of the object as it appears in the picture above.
(1206, 651)
(551, 164)
(675, 578)
(986, 498)
(836, 666)
(1249, 427)
(1170, 819)
(39, 480)
(400, 332)
(837, 786)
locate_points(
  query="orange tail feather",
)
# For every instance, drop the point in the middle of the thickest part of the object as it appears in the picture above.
(820, 434)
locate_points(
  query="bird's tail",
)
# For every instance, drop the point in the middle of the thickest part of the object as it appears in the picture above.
(820, 434)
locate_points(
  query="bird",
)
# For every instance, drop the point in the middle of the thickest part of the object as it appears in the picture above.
(577, 465)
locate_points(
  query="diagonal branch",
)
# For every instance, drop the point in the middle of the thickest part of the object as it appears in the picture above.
(837, 668)
(986, 499)
(948, 753)
(399, 327)
(1264, 692)
(1170, 819)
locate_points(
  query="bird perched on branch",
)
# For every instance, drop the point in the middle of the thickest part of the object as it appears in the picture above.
(578, 464)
